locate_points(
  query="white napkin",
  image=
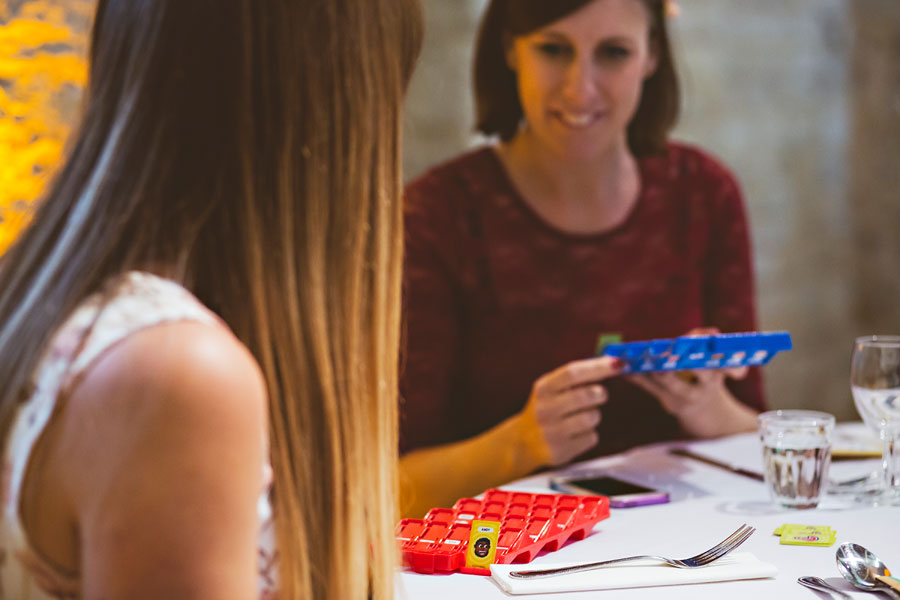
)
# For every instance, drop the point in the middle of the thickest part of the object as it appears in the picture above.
(738, 565)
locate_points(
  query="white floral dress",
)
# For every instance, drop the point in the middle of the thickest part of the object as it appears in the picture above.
(140, 300)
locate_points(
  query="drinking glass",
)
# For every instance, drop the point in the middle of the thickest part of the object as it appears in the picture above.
(796, 447)
(875, 382)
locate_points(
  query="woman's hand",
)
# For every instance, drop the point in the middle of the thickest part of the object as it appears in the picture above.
(704, 407)
(699, 399)
(562, 414)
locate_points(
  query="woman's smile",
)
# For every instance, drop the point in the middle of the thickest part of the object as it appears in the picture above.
(577, 119)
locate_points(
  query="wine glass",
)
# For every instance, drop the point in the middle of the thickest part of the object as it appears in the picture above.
(875, 381)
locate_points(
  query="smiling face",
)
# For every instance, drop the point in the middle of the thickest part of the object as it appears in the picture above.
(482, 547)
(579, 78)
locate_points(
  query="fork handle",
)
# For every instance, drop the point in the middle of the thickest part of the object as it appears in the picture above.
(819, 584)
(535, 573)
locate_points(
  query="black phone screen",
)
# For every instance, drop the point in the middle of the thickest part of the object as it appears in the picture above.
(607, 486)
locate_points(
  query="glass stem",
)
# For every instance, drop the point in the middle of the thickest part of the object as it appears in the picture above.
(891, 464)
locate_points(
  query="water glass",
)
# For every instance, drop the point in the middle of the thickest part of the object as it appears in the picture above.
(875, 382)
(796, 453)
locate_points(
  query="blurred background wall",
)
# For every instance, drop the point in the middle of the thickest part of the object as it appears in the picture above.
(802, 99)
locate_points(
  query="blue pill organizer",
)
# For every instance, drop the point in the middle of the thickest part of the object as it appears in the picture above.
(720, 351)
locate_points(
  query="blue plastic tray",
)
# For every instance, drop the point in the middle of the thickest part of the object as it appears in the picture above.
(720, 351)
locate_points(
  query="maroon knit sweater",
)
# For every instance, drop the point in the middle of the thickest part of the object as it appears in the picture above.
(495, 296)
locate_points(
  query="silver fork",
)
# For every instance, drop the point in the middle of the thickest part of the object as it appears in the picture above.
(701, 560)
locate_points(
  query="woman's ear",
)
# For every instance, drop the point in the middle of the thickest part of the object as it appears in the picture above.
(652, 59)
(509, 51)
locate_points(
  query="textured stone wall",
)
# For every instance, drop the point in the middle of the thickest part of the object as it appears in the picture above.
(875, 165)
(766, 89)
(439, 106)
(802, 99)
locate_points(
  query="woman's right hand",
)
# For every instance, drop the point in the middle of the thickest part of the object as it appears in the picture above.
(562, 413)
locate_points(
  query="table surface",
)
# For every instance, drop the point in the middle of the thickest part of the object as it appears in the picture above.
(707, 504)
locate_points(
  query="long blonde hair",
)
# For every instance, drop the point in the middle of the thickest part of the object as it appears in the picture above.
(250, 148)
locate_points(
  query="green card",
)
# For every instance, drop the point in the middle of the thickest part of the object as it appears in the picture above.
(604, 340)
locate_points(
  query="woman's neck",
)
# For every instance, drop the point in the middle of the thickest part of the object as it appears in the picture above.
(582, 197)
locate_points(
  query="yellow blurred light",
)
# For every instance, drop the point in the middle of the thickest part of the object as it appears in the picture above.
(42, 55)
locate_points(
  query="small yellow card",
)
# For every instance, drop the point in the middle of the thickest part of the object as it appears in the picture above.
(482, 544)
(806, 535)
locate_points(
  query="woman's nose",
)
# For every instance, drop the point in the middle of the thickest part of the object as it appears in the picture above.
(581, 82)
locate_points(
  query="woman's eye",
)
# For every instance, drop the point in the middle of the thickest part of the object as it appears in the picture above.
(554, 50)
(613, 52)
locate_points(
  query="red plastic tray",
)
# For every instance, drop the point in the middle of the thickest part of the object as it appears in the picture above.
(529, 523)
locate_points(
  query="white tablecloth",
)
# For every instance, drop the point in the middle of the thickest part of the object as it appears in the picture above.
(707, 504)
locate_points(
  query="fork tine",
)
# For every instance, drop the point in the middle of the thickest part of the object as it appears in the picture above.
(743, 538)
(724, 549)
(726, 543)
(733, 543)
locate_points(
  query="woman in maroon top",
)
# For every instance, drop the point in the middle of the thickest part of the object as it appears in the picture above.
(584, 219)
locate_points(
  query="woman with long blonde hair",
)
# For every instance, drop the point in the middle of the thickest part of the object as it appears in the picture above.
(210, 289)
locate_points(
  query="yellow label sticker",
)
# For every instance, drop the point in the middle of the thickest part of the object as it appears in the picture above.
(797, 527)
(482, 544)
(806, 535)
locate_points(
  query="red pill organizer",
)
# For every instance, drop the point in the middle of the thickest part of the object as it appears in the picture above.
(529, 523)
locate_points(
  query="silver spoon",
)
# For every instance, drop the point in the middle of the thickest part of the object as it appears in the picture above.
(862, 568)
(817, 583)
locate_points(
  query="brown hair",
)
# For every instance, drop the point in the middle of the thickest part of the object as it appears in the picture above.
(498, 109)
(250, 150)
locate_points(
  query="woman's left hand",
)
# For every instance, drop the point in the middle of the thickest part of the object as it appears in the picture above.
(700, 400)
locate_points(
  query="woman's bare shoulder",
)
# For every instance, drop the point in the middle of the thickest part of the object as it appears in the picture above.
(179, 366)
(165, 438)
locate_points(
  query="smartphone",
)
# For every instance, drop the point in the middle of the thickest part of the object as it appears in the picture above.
(621, 494)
